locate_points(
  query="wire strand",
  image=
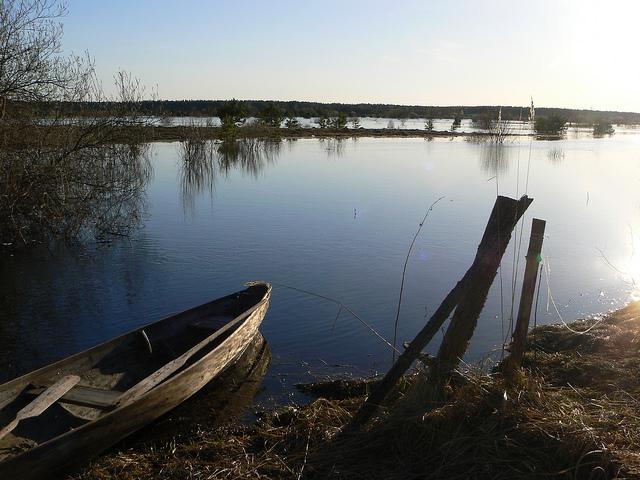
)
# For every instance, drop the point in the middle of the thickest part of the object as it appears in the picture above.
(342, 307)
(555, 306)
(518, 251)
(404, 271)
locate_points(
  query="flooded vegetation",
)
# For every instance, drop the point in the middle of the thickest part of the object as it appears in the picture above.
(97, 192)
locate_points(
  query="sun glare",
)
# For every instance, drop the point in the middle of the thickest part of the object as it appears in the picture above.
(602, 51)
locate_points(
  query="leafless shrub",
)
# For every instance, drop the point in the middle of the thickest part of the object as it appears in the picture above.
(70, 161)
(498, 129)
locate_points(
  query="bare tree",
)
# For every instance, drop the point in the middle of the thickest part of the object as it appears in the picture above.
(498, 129)
(69, 158)
(30, 43)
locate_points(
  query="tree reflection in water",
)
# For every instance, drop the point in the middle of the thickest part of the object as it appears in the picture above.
(55, 194)
(334, 147)
(494, 158)
(119, 208)
(555, 156)
(203, 161)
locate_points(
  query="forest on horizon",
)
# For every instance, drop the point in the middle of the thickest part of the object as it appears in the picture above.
(179, 108)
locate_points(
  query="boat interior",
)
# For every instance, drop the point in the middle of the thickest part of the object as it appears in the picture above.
(108, 370)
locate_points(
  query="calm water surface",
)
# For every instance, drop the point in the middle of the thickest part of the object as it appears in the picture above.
(337, 218)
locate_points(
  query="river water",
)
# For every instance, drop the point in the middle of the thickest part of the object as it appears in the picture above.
(336, 218)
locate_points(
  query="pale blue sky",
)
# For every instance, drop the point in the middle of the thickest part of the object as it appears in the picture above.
(567, 53)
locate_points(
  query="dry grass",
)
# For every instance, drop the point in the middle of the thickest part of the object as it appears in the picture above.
(573, 414)
(274, 447)
(600, 370)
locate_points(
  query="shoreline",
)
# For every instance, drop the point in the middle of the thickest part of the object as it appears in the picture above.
(570, 414)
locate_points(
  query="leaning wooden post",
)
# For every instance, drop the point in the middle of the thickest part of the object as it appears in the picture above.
(504, 216)
(465, 318)
(519, 338)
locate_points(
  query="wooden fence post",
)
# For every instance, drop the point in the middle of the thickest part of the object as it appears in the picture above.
(465, 318)
(519, 338)
(504, 216)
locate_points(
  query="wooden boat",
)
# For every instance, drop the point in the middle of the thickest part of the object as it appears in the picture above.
(63, 414)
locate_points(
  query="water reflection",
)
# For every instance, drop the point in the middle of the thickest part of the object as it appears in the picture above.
(494, 158)
(290, 142)
(250, 155)
(224, 399)
(305, 235)
(58, 300)
(334, 147)
(110, 196)
(197, 170)
(52, 194)
(202, 161)
(555, 156)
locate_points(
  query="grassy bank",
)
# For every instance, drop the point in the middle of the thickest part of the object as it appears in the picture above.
(572, 414)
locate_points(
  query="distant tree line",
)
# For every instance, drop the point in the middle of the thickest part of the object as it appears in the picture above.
(289, 109)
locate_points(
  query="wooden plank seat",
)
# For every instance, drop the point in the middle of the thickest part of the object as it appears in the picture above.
(47, 397)
(85, 396)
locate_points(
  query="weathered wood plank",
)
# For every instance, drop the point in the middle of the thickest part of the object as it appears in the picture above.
(47, 398)
(86, 396)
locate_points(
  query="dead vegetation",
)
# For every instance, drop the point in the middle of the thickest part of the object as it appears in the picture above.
(571, 414)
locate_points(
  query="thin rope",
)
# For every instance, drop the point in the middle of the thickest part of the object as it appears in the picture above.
(513, 271)
(516, 265)
(526, 185)
(404, 271)
(500, 262)
(500, 265)
(514, 274)
(518, 175)
(342, 307)
(516, 253)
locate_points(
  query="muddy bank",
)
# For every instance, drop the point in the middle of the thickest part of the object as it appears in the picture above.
(571, 414)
